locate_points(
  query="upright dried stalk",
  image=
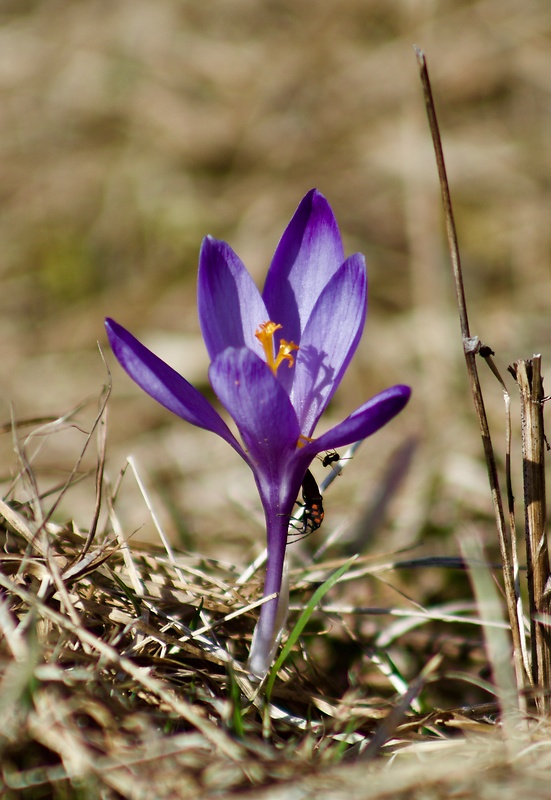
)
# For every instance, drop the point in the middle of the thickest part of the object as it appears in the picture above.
(528, 374)
(471, 347)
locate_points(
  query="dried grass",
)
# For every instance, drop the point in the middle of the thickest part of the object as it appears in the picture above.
(123, 670)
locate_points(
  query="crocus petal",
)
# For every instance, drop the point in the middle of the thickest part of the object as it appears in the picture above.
(165, 385)
(260, 407)
(329, 341)
(230, 306)
(308, 254)
(363, 422)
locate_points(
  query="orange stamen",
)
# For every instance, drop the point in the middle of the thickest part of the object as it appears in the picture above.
(265, 335)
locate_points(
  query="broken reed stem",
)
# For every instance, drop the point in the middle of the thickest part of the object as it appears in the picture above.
(528, 375)
(471, 347)
(512, 520)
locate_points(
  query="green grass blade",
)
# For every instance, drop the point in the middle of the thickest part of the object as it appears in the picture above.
(302, 621)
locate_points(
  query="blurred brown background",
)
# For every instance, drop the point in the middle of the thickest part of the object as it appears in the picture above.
(129, 130)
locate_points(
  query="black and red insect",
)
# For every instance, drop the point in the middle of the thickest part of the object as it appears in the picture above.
(313, 513)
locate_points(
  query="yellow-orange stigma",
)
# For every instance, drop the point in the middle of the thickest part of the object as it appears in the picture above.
(265, 335)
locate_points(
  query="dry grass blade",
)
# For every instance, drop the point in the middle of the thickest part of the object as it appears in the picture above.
(497, 642)
(388, 728)
(529, 378)
(111, 656)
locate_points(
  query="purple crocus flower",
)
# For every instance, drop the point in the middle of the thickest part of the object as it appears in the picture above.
(277, 358)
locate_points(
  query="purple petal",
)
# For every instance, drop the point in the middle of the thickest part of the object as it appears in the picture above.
(230, 305)
(329, 341)
(261, 409)
(165, 385)
(363, 422)
(308, 254)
